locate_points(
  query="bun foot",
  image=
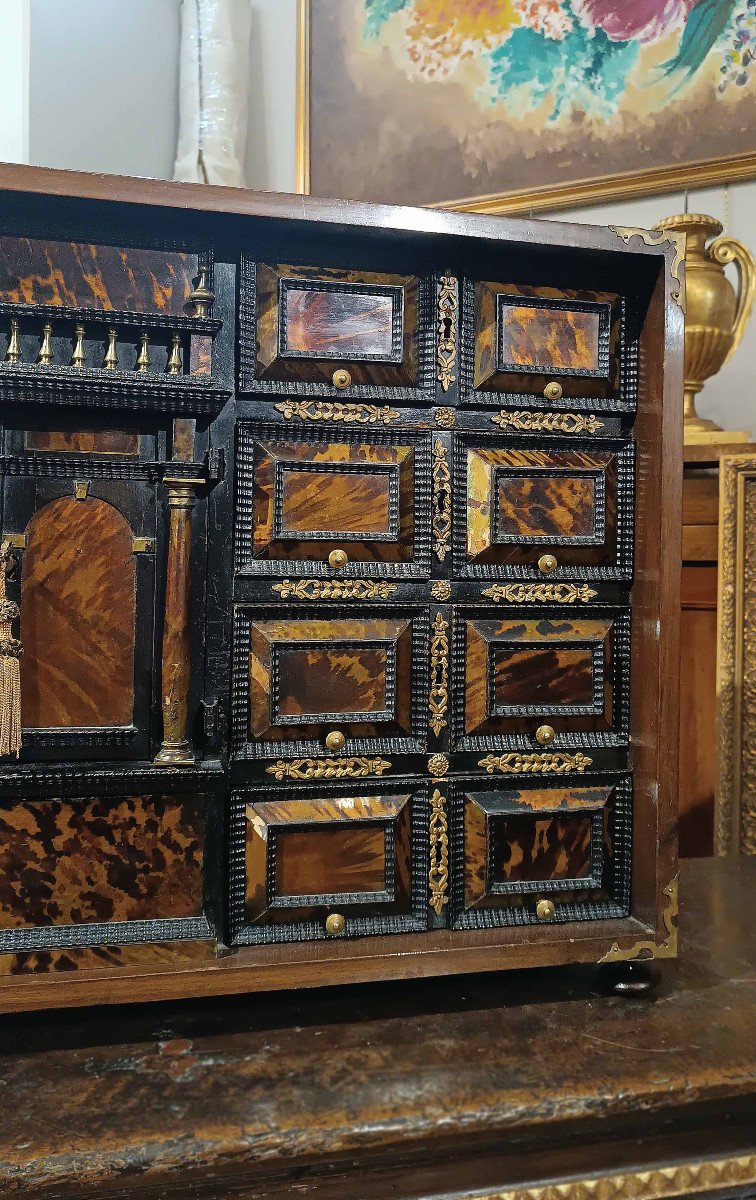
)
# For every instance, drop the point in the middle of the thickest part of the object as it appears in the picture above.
(632, 979)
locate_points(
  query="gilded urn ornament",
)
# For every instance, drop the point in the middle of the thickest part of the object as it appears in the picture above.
(715, 315)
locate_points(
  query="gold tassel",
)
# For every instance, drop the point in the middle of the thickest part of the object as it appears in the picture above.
(10, 673)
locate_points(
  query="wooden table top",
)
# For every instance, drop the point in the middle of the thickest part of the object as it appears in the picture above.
(399, 1089)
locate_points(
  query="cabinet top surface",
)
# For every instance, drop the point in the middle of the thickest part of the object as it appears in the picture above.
(368, 1069)
(212, 199)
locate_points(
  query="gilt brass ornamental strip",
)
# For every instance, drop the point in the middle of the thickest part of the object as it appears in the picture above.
(438, 874)
(558, 763)
(656, 1183)
(442, 501)
(649, 949)
(334, 589)
(657, 237)
(547, 422)
(327, 768)
(316, 410)
(446, 352)
(549, 593)
(438, 698)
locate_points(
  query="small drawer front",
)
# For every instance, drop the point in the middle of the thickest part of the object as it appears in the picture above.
(327, 864)
(338, 505)
(350, 682)
(316, 325)
(539, 854)
(531, 677)
(527, 338)
(101, 870)
(549, 508)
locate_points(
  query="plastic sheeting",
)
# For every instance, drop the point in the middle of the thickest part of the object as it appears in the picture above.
(213, 91)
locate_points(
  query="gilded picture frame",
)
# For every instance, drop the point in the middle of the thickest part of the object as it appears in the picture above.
(735, 799)
(549, 197)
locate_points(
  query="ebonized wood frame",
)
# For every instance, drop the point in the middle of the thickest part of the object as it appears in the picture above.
(455, 242)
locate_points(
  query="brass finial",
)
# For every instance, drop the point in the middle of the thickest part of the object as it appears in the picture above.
(144, 360)
(46, 351)
(79, 357)
(201, 297)
(174, 362)
(13, 354)
(111, 354)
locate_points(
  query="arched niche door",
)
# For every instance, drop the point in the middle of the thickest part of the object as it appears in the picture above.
(86, 599)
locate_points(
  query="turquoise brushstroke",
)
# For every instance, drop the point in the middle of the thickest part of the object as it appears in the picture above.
(377, 12)
(586, 69)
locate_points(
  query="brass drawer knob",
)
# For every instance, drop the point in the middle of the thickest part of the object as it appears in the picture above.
(335, 740)
(553, 390)
(341, 378)
(546, 564)
(545, 910)
(335, 924)
(545, 735)
(337, 559)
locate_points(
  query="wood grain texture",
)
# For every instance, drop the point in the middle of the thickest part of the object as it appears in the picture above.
(537, 850)
(544, 508)
(324, 846)
(698, 731)
(322, 318)
(337, 324)
(547, 677)
(100, 441)
(542, 338)
(521, 501)
(515, 350)
(78, 615)
(333, 672)
(529, 663)
(315, 681)
(349, 497)
(68, 862)
(73, 275)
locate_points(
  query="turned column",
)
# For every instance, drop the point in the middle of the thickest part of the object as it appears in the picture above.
(177, 645)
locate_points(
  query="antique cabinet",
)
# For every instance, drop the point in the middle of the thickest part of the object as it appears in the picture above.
(342, 546)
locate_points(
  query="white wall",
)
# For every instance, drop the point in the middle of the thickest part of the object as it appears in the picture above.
(103, 98)
(103, 85)
(14, 82)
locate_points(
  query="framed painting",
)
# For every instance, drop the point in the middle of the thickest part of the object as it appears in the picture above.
(524, 105)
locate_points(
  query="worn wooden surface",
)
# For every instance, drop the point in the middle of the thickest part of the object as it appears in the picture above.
(404, 1089)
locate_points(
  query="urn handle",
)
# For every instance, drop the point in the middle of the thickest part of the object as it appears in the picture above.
(726, 250)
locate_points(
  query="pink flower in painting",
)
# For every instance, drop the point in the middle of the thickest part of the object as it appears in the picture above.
(623, 20)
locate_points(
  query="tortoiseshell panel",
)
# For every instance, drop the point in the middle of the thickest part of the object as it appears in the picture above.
(524, 842)
(307, 674)
(348, 858)
(105, 278)
(311, 498)
(103, 441)
(352, 677)
(556, 847)
(337, 324)
(313, 320)
(551, 676)
(304, 857)
(522, 502)
(337, 502)
(100, 859)
(524, 334)
(539, 507)
(78, 617)
(134, 955)
(544, 338)
(520, 672)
